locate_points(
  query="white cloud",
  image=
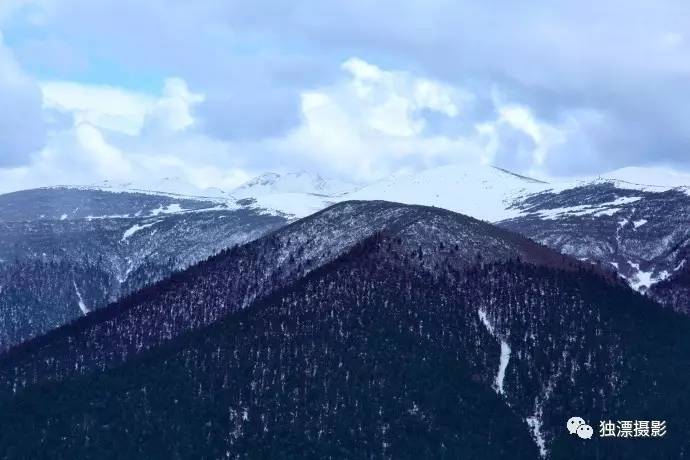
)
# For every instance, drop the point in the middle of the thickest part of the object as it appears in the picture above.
(374, 122)
(125, 136)
(106, 159)
(392, 101)
(172, 112)
(106, 107)
(370, 123)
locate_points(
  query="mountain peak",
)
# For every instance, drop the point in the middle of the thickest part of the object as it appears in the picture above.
(272, 183)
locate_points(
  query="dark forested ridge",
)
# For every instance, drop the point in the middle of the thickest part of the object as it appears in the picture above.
(237, 277)
(371, 357)
(369, 330)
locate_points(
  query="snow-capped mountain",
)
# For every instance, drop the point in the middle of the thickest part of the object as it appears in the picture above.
(483, 192)
(633, 220)
(294, 182)
(115, 238)
(293, 195)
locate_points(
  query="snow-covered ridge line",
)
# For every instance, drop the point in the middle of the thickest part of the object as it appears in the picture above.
(143, 191)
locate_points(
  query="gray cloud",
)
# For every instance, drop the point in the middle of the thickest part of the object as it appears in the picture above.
(628, 63)
(22, 130)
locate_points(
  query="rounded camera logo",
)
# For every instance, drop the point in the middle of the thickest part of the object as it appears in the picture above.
(578, 426)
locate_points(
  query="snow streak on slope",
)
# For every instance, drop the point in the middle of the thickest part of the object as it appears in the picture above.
(534, 424)
(505, 353)
(82, 305)
(503, 365)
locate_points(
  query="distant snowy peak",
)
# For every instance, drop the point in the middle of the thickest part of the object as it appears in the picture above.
(483, 192)
(294, 182)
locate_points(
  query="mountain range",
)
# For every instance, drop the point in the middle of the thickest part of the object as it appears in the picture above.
(113, 239)
(632, 221)
(370, 329)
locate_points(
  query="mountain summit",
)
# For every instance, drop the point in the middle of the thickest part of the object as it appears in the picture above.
(293, 182)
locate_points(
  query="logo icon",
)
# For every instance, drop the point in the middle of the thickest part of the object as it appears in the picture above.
(578, 426)
(585, 431)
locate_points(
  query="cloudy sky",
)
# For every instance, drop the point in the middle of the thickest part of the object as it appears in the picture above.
(216, 91)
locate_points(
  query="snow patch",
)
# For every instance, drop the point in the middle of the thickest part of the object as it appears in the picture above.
(63, 217)
(136, 228)
(602, 209)
(292, 204)
(642, 280)
(640, 223)
(173, 208)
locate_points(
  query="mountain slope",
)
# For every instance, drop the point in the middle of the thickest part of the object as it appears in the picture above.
(374, 355)
(235, 278)
(641, 234)
(64, 252)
